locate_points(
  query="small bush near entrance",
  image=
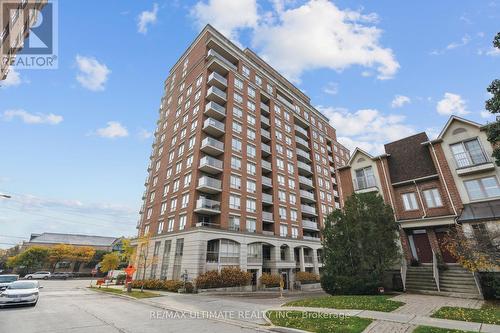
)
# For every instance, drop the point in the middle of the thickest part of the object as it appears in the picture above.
(166, 285)
(270, 280)
(227, 277)
(306, 277)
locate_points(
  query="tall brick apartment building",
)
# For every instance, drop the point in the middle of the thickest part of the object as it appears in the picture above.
(243, 168)
(14, 28)
(432, 187)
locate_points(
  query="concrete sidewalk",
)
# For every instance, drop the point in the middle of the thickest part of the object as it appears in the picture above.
(402, 318)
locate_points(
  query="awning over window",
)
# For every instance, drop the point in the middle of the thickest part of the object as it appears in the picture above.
(480, 211)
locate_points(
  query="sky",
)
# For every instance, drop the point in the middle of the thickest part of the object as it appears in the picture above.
(75, 141)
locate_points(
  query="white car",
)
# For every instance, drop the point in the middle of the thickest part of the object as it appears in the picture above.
(38, 275)
(20, 292)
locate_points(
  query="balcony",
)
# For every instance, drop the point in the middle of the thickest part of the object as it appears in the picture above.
(212, 146)
(308, 210)
(306, 182)
(266, 149)
(307, 196)
(488, 166)
(332, 169)
(365, 184)
(265, 135)
(301, 131)
(310, 225)
(268, 233)
(304, 169)
(267, 198)
(266, 165)
(213, 127)
(265, 121)
(212, 54)
(330, 159)
(303, 155)
(472, 160)
(267, 216)
(210, 165)
(214, 94)
(215, 111)
(207, 206)
(264, 108)
(267, 182)
(215, 79)
(209, 185)
(302, 143)
(312, 238)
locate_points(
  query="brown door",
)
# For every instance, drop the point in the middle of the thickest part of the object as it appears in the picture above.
(423, 247)
(447, 256)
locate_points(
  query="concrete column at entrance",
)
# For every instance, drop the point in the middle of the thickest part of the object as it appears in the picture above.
(259, 274)
(301, 260)
(315, 261)
(275, 257)
(243, 257)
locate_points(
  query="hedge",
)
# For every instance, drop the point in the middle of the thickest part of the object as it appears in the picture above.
(167, 285)
(227, 277)
(270, 280)
(306, 277)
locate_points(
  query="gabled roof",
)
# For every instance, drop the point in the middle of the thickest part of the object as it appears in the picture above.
(456, 118)
(72, 239)
(358, 150)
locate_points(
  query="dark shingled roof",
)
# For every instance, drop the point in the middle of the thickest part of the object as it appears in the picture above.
(409, 159)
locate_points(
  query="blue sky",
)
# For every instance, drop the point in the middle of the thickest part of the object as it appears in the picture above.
(75, 141)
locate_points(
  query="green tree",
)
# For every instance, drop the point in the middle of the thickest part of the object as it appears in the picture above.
(493, 106)
(109, 262)
(32, 259)
(96, 258)
(128, 251)
(359, 245)
(61, 252)
(5, 254)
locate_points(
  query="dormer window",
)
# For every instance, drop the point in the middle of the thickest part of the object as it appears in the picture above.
(365, 178)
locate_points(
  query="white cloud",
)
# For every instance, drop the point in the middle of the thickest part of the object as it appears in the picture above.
(32, 118)
(399, 101)
(113, 130)
(453, 45)
(368, 128)
(146, 18)
(227, 16)
(144, 134)
(494, 52)
(332, 88)
(451, 104)
(320, 35)
(93, 74)
(13, 79)
(485, 114)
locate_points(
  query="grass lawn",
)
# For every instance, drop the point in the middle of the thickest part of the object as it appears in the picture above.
(429, 329)
(134, 293)
(488, 314)
(373, 302)
(310, 321)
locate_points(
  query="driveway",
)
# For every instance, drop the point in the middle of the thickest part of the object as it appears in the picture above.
(67, 306)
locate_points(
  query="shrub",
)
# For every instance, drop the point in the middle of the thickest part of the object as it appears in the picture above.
(167, 285)
(270, 280)
(306, 277)
(120, 279)
(490, 283)
(227, 277)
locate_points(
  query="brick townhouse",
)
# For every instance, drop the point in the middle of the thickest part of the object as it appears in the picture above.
(432, 186)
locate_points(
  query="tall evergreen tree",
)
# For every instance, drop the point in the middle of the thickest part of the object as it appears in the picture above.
(360, 245)
(493, 106)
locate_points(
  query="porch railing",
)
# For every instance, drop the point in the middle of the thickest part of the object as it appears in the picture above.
(435, 270)
(404, 268)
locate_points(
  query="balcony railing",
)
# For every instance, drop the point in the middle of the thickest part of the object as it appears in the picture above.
(209, 182)
(214, 93)
(302, 142)
(266, 149)
(361, 183)
(267, 181)
(303, 154)
(307, 195)
(254, 260)
(267, 216)
(216, 78)
(470, 158)
(308, 209)
(308, 224)
(212, 145)
(305, 181)
(301, 131)
(308, 259)
(215, 124)
(265, 134)
(264, 107)
(210, 162)
(204, 203)
(303, 166)
(214, 54)
(267, 198)
(317, 239)
(215, 110)
(266, 165)
(265, 120)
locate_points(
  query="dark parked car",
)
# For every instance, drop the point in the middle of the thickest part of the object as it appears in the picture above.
(60, 276)
(7, 279)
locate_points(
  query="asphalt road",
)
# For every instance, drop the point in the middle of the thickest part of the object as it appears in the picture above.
(66, 306)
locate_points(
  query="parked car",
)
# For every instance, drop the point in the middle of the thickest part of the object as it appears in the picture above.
(7, 279)
(38, 275)
(60, 276)
(20, 292)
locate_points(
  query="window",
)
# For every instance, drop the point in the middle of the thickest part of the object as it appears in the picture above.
(189, 161)
(245, 70)
(185, 201)
(251, 134)
(432, 198)
(482, 188)
(234, 223)
(410, 201)
(468, 153)
(295, 232)
(238, 98)
(238, 84)
(251, 120)
(280, 163)
(251, 105)
(182, 222)
(364, 178)
(292, 199)
(171, 224)
(152, 196)
(236, 127)
(251, 205)
(293, 214)
(160, 228)
(283, 230)
(290, 168)
(173, 204)
(234, 201)
(258, 80)
(236, 144)
(251, 225)
(251, 168)
(163, 208)
(291, 184)
(282, 213)
(281, 180)
(235, 162)
(251, 93)
(237, 112)
(251, 151)
(282, 195)
(176, 185)
(251, 186)
(235, 182)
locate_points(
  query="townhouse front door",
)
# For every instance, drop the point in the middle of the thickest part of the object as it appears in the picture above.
(423, 247)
